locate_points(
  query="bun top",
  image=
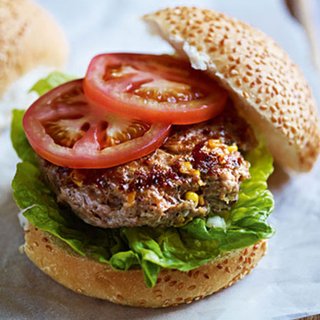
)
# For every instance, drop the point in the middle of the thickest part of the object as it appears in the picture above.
(29, 37)
(268, 89)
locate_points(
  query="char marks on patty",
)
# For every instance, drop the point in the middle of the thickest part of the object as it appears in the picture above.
(196, 172)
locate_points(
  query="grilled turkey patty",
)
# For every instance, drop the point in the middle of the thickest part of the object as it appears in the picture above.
(196, 172)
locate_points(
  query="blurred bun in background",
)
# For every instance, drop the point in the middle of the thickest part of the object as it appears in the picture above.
(29, 38)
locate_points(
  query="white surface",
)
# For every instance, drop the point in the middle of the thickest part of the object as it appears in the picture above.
(286, 283)
(17, 96)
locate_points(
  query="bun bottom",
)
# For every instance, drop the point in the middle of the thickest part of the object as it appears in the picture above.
(94, 279)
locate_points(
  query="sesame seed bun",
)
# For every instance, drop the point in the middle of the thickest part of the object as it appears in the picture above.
(268, 89)
(98, 280)
(29, 37)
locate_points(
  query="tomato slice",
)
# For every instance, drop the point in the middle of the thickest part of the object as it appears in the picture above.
(155, 88)
(66, 129)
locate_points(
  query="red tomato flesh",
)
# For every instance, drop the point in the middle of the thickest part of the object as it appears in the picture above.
(66, 129)
(154, 88)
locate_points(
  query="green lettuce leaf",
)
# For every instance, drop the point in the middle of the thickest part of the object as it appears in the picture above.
(53, 80)
(150, 249)
(19, 139)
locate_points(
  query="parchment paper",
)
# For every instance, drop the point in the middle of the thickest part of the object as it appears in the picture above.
(285, 285)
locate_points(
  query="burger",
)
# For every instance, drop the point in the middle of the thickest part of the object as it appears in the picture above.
(145, 182)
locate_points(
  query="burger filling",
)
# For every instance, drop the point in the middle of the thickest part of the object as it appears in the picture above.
(135, 193)
(196, 172)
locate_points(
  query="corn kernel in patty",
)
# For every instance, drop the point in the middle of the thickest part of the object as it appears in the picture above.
(192, 196)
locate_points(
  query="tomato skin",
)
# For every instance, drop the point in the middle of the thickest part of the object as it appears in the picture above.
(87, 151)
(112, 93)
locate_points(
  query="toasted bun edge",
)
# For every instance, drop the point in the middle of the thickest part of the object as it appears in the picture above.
(94, 279)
